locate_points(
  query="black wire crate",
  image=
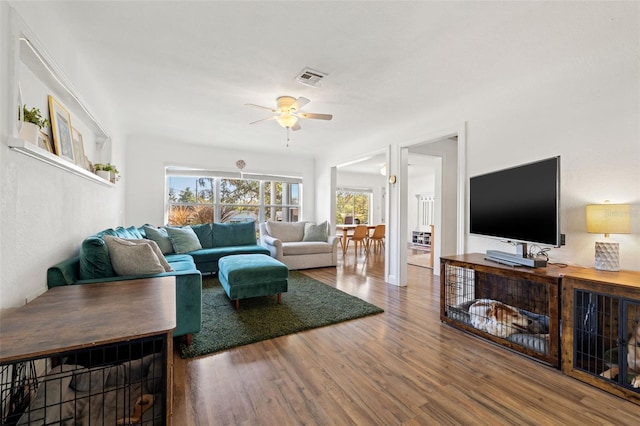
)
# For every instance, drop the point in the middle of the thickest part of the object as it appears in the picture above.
(607, 337)
(116, 384)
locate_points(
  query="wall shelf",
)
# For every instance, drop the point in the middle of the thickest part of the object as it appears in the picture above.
(34, 151)
(31, 66)
(52, 77)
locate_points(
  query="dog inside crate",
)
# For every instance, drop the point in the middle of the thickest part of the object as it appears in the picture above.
(499, 317)
(124, 393)
(519, 326)
(621, 360)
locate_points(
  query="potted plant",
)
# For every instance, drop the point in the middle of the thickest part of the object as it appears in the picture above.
(32, 124)
(107, 171)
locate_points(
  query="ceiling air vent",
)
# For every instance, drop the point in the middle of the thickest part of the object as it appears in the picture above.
(310, 77)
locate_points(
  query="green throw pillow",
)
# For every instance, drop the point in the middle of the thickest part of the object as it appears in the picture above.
(313, 232)
(183, 239)
(160, 236)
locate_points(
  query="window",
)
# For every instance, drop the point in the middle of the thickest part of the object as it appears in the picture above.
(353, 206)
(200, 196)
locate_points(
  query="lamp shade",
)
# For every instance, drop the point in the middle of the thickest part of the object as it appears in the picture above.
(608, 218)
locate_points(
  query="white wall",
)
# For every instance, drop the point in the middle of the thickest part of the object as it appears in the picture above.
(46, 212)
(583, 104)
(147, 159)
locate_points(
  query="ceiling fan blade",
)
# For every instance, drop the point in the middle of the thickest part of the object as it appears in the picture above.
(300, 103)
(263, 107)
(296, 127)
(264, 119)
(315, 116)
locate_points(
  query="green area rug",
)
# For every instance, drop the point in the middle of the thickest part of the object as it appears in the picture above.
(307, 304)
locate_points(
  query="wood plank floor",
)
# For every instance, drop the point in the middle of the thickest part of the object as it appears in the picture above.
(400, 367)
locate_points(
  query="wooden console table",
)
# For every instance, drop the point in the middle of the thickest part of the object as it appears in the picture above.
(79, 317)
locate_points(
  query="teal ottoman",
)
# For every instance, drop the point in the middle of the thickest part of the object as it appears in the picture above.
(252, 275)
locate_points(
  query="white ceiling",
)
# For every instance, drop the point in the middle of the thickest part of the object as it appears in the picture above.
(185, 70)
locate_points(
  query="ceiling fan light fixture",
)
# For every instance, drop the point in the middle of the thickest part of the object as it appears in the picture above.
(287, 120)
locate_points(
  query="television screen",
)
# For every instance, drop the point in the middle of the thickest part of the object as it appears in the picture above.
(520, 204)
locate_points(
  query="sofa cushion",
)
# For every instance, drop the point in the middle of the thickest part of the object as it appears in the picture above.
(94, 259)
(204, 233)
(183, 239)
(209, 255)
(132, 258)
(160, 236)
(123, 233)
(173, 257)
(135, 232)
(304, 247)
(181, 262)
(185, 265)
(313, 232)
(234, 234)
(286, 231)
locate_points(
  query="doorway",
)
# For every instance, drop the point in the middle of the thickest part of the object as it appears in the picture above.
(449, 190)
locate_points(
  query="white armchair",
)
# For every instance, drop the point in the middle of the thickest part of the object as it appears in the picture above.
(300, 245)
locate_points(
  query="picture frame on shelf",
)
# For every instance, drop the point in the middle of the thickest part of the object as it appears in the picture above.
(78, 148)
(44, 142)
(61, 128)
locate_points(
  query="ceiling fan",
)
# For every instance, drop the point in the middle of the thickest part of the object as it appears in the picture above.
(288, 112)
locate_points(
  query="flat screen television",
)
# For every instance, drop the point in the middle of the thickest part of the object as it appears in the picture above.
(520, 204)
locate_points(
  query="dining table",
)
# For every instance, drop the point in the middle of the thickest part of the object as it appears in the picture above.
(345, 233)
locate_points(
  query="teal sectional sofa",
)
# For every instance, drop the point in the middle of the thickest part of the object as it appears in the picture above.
(214, 240)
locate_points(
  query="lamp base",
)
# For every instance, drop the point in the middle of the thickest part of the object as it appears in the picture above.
(608, 256)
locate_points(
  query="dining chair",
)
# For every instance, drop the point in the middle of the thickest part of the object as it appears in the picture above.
(360, 235)
(377, 238)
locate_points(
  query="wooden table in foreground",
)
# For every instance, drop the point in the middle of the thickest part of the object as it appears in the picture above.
(77, 317)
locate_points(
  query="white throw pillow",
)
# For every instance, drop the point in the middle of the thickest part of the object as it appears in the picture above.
(156, 249)
(286, 231)
(135, 257)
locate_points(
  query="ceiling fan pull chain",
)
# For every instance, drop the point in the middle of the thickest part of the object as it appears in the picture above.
(288, 137)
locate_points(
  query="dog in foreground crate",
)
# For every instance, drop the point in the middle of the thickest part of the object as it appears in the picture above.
(633, 353)
(633, 357)
(497, 318)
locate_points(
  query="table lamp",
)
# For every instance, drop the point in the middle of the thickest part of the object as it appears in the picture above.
(608, 219)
